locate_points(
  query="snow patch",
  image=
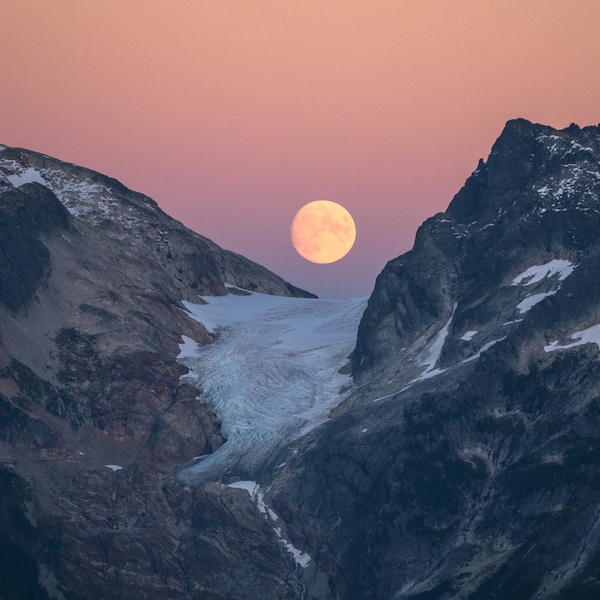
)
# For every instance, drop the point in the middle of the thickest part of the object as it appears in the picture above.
(530, 301)
(253, 488)
(76, 191)
(562, 268)
(301, 558)
(113, 467)
(556, 458)
(543, 191)
(591, 335)
(30, 175)
(188, 348)
(468, 335)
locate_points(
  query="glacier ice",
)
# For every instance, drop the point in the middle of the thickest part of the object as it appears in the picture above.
(270, 376)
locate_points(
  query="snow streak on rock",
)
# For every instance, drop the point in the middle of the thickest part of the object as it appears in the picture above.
(434, 351)
(76, 189)
(591, 335)
(562, 268)
(258, 497)
(271, 375)
(483, 349)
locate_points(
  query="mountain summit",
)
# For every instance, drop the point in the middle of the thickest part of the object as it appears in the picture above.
(169, 429)
(534, 200)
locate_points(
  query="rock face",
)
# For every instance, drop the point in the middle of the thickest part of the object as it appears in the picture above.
(465, 464)
(24, 260)
(92, 276)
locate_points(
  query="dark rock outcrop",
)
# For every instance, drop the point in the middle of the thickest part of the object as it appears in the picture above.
(25, 214)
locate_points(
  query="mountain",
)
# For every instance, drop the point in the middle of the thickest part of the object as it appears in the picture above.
(465, 464)
(179, 423)
(93, 277)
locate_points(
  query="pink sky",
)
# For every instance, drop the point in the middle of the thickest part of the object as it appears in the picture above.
(233, 114)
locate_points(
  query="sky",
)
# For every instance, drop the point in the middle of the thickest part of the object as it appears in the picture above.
(232, 114)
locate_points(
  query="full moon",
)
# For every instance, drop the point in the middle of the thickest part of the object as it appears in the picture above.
(323, 232)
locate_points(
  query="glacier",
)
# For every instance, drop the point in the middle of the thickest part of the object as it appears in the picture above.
(271, 375)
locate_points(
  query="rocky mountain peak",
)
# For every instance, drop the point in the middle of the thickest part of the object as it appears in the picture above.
(96, 274)
(464, 464)
(529, 153)
(103, 209)
(535, 199)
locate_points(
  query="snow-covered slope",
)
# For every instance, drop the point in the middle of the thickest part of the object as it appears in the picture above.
(271, 375)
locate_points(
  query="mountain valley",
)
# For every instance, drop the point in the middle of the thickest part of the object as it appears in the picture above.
(178, 422)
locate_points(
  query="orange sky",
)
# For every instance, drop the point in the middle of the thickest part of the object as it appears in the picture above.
(233, 114)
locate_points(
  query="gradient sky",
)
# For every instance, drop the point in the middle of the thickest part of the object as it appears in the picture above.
(233, 114)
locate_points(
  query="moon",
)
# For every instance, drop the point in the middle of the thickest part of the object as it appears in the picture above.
(323, 232)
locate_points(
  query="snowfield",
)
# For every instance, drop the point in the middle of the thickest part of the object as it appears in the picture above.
(555, 269)
(30, 175)
(270, 376)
